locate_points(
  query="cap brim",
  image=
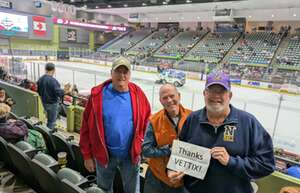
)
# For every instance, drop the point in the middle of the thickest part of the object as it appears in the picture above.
(117, 66)
(219, 83)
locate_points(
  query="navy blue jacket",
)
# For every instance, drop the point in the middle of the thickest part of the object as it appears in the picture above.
(247, 142)
(49, 89)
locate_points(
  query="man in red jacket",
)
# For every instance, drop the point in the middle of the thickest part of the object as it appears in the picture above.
(113, 127)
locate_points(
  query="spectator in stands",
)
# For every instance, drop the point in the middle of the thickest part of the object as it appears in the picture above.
(113, 126)
(28, 84)
(3, 73)
(51, 94)
(241, 149)
(164, 127)
(75, 90)
(11, 130)
(4, 98)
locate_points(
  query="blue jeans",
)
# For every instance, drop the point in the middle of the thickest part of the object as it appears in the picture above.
(129, 174)
(52, 111)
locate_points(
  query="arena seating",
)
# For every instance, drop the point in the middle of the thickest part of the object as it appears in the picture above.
(153, 42)
(290, 57)
(213, 48)
(128, 41)
(256, 48)
(181, 44)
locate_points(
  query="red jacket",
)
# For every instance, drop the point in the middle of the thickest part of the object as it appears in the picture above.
(92, 138)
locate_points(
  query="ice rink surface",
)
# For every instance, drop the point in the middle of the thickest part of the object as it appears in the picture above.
(264, 104)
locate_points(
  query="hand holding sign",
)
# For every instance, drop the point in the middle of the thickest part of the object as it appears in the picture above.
(220, 154)
(190, 159)
(175, 176)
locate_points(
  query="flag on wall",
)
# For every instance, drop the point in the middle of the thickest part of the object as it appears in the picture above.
(39, 25)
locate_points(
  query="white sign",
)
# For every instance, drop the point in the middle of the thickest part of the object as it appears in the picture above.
(192, 160)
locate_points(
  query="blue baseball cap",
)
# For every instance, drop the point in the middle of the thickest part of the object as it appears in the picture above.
(219, 78)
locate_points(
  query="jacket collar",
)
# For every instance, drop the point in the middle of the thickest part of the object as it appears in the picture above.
(98, 89)
(231, 118)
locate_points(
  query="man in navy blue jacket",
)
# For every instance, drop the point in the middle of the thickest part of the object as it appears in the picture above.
(51, 93)
(241, 148)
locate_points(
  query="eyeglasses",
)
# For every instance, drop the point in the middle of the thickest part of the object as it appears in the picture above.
(216, 90)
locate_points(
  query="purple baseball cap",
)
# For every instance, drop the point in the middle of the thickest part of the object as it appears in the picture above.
(218, 77)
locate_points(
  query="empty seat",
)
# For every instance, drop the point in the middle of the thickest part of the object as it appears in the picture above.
(46, 177)
(62, 145)
(79, 162)
(24, 146)
(73, 176)
(45, 159)
(47, 138)
(5, 157)
(94, 189)
(22, 163)
(68, 187)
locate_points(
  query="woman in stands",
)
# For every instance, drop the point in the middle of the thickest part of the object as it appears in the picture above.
(4, 98)
(14, 130)
(11, 130)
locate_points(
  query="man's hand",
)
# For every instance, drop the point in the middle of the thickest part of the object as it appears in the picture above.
(290, 189)
(220, 154)
(89, 164)
(175, 176)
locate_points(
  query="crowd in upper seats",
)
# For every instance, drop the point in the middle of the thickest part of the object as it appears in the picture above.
(256, 48)
(291, 54)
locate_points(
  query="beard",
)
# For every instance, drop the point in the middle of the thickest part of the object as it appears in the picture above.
(216, 108)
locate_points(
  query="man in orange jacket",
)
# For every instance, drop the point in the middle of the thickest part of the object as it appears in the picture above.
(164, 127)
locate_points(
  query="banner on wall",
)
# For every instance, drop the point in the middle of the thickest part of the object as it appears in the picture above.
(236, 81)
(39, 25)
(253, 83)
(72, 35)
(92, 26)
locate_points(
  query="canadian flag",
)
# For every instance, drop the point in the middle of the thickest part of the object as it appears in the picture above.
(39, 25)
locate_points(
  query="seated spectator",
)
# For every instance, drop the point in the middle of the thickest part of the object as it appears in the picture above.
(28, 84)
(75, 90)
(4, 98)
(11, 130)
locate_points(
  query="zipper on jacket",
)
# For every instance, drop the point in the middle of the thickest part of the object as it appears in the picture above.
(101, 139)
(216, 128)
(137, 127)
